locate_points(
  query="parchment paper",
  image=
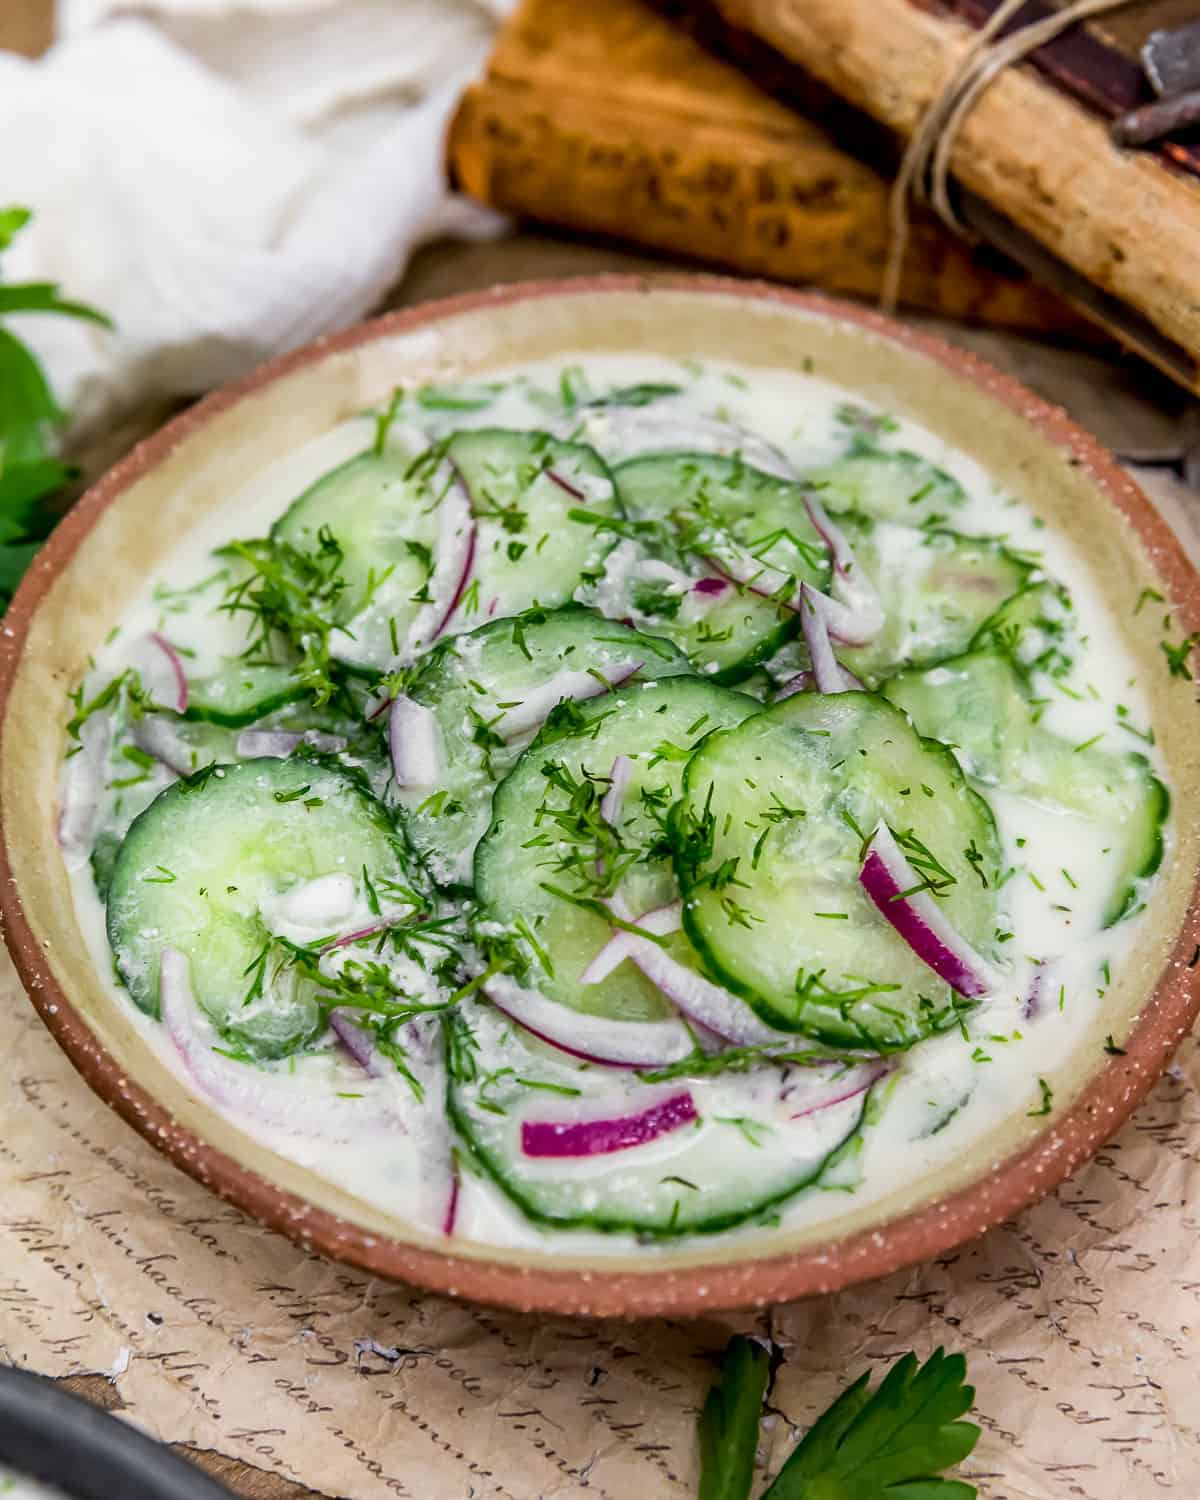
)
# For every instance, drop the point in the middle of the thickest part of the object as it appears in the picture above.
(292, 1376)
(1078, 1322)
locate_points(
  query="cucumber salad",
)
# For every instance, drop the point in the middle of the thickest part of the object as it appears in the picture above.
(616, 802)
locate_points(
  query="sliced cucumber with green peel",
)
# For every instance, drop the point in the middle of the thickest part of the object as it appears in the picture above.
(742, 1146)
(937, 589)
(202, 867)
(523, 487)
(727, 631)
(1035, 629)
(980, 704)
(243, 692)
(889, 485)
(538, 860)
(381, 509)
(769, 843)
(491, 689)
(716, 520)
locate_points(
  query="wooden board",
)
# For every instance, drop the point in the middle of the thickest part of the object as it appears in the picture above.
(612, 120)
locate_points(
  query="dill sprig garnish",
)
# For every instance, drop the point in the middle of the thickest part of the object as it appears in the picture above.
(583, 845)
(291, 598)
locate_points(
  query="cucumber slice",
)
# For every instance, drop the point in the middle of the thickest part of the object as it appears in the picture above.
(523, 488)
(1035, 629)
(543, 826)
(203, 862)
(626, 429)
(744, 1155)
(695, 512)
(242, 692)
(381, 509)
(937, 587)
(889, 484)
(475, 683)
(768, 847)
(980, 704)
(103, 860)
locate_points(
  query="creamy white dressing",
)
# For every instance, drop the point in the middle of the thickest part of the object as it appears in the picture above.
(946, 1094)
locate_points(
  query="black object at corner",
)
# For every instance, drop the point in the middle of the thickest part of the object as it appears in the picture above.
(50, 1435)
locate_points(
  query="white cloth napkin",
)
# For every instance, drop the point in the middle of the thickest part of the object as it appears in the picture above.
(226, 178)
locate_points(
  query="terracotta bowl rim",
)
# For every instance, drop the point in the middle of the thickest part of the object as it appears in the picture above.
(920, 1234)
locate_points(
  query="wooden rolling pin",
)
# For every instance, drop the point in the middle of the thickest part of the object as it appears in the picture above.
(609, 119)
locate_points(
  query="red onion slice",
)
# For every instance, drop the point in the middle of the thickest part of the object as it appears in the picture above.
(802, 682)
(578, 686)
(278, 744)
(565, 484)
(595, 1039)
(823, 1093)
(829, 676)
(450, 1217)
(454, 560)
(852, 588)
(618, 784)
(160, 667)
(359, 1043)
(360, 934)
(377, 705)
(277, 1101)
(560, 1138)
(415, 742)
(711, 590)
(1036, 993)
(885, 876)
(660, 922)
(697, 595)
(83, 787)
(425, 1121)
(161, 670)
(849, 626)
(805, 682)
(698, 998)
(157, 736)
(175, 662)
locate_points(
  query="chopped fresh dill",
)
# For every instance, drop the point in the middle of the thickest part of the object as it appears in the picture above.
(1047, 1099)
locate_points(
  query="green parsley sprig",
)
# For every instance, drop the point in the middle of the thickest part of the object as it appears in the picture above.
(882, 1444)
(31, 475)
(729, 1422)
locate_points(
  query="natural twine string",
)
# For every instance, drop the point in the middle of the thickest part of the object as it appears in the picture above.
(925, 169)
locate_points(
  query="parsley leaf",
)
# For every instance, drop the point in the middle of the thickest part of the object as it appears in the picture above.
(888, 1444)
(43, 296)
(29, 473)
(870, 1444)
(729, 1422)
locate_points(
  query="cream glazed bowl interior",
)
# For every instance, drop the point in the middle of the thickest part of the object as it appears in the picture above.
(128, 523)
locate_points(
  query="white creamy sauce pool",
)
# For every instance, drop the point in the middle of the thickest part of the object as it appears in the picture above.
(946, 1093)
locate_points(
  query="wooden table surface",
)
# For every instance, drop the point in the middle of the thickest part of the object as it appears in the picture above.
(1130, 406)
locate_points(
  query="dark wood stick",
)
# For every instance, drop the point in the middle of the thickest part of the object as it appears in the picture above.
(1154, 121)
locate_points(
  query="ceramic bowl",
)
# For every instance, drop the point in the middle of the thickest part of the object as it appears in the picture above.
(129, 521)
